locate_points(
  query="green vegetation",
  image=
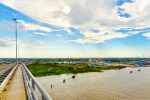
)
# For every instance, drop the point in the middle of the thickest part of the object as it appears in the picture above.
(39, 69)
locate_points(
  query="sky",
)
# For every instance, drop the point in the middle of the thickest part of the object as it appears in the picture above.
(75, 28)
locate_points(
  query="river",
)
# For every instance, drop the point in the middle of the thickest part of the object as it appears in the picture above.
(107, 85)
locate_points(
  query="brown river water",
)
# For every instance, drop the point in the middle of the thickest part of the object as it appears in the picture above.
(107, 85)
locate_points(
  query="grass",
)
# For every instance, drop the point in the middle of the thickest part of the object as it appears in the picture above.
(39, 69)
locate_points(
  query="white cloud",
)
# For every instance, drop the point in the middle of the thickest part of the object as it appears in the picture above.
(41, 33)
(31, 26)
(7, 42)
(63, 13)
(146, 35)
(69, 31)
(36, 41)
(58, 36)
(85, 15)
(137, 9)
(139, 12)
(99, 37)
(43, 47)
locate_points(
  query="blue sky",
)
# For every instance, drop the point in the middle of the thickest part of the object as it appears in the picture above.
(77, 28)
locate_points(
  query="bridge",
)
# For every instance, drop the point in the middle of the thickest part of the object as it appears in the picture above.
(17, 83)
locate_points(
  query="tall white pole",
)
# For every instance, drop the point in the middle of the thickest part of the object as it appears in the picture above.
(16, 37)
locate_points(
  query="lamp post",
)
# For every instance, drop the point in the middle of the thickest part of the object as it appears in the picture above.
(16, 37)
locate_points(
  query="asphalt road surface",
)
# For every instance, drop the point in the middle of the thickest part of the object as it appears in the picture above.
(4, 68)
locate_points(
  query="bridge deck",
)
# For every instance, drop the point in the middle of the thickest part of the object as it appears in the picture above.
(15, 90)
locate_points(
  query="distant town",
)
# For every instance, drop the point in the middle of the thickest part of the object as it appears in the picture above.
(93, 62)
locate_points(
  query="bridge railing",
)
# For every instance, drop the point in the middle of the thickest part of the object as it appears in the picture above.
(31, 83)
(3, 84)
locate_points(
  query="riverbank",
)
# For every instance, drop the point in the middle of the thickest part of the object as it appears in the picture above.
(39, 69)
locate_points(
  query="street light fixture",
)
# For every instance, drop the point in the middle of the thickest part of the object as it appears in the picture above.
(16, 37)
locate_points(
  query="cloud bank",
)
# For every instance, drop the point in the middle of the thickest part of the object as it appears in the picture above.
(85, 15)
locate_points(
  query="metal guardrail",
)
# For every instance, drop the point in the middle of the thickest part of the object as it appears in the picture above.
(3, 84)
(30, 83)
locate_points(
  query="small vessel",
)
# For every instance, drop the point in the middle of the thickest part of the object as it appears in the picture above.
(64, 81)
(139, 69)
(51, 86)
(131, 71)
(73, 76)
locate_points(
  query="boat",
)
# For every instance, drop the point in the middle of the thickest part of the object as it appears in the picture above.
(73, 76)
(131, 71)
(139, 69)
